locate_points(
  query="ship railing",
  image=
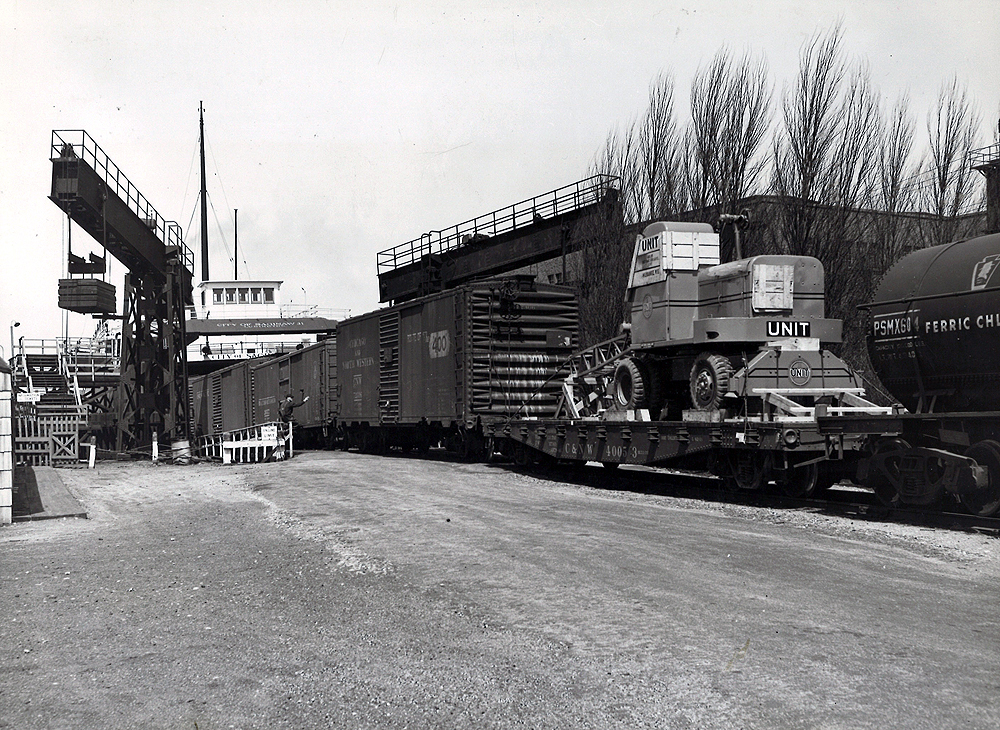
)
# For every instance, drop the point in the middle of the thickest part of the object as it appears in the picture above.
(243, 350)
(556, 202)
(265, 311)
(69, 143)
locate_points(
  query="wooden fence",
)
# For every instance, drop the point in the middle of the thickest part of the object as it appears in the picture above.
(264, 442)
(47, 439)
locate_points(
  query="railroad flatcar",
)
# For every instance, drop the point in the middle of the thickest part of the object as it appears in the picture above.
(434, 369)
(724, 363)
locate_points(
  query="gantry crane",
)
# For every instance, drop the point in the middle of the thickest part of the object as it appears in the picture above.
(93, 192)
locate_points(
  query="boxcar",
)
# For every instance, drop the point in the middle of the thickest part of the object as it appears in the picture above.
(312, 372)
(219, 401)
(248, 393)
(434, 369)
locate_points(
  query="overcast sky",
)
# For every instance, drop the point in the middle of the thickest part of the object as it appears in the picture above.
(339, 129)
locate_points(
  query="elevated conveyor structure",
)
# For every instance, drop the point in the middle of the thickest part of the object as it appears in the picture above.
(97, 196)
(527, 232)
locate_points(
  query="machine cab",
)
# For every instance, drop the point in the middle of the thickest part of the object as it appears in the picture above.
(663, 282)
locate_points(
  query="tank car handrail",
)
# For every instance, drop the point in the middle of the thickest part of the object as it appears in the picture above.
(985, 156)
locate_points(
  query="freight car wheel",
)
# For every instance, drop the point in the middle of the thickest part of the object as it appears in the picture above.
(890, 453)
(630, 384)
(522, 455)
(709, 381)
(749, 470)
(800, 481)
(985, 502)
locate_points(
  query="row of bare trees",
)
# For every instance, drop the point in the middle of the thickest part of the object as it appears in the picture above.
(829, 170)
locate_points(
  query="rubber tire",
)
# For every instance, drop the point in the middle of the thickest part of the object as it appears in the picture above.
(709, 381)
(985, 503)
(630, 385)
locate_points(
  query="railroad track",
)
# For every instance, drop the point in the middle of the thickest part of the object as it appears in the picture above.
(840, 500)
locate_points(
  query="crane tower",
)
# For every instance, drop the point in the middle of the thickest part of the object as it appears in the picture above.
(93, 192)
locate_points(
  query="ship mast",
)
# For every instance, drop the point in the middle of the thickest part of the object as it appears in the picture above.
(204, 197)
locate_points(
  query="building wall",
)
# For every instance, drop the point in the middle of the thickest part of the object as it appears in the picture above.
(6, 447)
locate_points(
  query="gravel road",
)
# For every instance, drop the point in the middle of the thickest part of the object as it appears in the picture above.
(341, 590)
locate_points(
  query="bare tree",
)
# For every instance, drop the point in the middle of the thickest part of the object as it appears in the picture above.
(895, 192)
(804, 145)
(826, 175)
(645, 158)
(730, 114)
(659, 154)
(948, 187)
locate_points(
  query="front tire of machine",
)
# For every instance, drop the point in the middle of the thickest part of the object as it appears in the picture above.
(630, 386)
(710, 376)
(985, 502)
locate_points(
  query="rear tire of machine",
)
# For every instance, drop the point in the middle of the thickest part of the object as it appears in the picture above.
(709, 381)
(630, 385)
(986, 502)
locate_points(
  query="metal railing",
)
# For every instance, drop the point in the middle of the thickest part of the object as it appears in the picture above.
(557, 202)
(86, 357)
(69, 143)
(243, 349)
(985, 155)
(264, 311)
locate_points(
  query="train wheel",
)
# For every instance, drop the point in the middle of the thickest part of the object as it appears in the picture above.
(985, 502)
(522, 455)
(709, 381)
(630, 384)
(829, 474)
(885, 486)
(749, 469)
(800, 481)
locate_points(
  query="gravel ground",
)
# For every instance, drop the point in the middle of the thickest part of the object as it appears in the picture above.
(211, 597)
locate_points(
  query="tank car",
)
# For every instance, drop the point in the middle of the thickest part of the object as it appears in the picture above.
(935, 327)
(934, 343)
